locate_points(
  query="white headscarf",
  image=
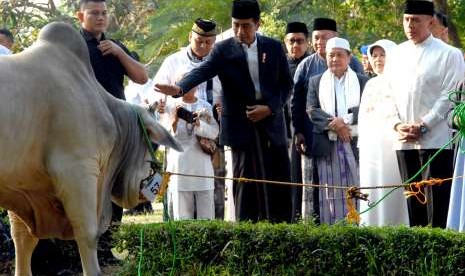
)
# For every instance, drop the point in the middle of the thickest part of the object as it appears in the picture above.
(387, 46)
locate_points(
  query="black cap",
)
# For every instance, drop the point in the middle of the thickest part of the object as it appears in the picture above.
(296, 27)
(245, 9)
(419, 7)
(324, 24)
(204, 27)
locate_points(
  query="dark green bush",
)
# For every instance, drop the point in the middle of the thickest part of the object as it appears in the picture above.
(220, 248)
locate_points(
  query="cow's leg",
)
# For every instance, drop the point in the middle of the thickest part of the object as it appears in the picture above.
(80, 203)
(24, 245)
(76, 184)
(88, 253)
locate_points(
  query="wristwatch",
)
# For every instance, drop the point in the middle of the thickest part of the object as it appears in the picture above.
(423, 129)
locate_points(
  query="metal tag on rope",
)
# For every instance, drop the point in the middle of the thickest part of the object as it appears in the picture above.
(155, 184)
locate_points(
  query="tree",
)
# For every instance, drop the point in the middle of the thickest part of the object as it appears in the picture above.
(156, 28)
(25, 18)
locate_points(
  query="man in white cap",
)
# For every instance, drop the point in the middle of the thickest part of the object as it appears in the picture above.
(323, 30)
(420, 73)
(333, 100)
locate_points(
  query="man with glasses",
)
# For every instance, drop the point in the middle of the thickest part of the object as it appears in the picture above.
(296, 41)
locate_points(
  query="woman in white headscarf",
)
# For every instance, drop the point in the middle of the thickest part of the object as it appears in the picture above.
(378, 162)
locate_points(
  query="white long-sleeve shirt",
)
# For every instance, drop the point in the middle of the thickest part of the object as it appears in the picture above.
(192, 160)
(182, 62)
(420, 76)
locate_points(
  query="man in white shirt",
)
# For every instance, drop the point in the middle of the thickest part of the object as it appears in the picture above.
(201, 41)
(420, 73)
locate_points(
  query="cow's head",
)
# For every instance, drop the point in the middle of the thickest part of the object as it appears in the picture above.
(134, 155)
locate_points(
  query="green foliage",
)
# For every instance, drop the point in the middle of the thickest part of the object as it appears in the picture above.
(220, 248)
(25, 19)
(157, 28)
(170, 25)
(456, 12)
(272, 25)
(4, 216)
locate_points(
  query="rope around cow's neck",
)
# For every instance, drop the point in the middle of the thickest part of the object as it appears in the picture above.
(146, 136)
(170, 226)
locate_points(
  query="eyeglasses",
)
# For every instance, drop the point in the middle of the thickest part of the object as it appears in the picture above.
(299, 41)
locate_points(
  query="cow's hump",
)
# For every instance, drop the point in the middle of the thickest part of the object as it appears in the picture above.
(64, 34)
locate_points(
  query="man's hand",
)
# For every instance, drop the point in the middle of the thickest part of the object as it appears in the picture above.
(161, 106)
(337, 125)
(408, 132)
(299, 143)
(256, 113)
(167, 89)
(219, 109)
(108, 47)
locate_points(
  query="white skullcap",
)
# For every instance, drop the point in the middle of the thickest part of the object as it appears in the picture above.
(337, 42)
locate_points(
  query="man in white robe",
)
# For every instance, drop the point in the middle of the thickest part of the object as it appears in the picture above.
(420, 73)
(201, 41)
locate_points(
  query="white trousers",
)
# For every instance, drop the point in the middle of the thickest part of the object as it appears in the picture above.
(185, 204)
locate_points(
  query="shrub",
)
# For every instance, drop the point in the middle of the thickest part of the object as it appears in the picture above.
(221, 248)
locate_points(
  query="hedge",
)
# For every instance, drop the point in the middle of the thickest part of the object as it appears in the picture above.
(221, 248)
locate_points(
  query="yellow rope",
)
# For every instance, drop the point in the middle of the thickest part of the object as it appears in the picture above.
(415, 189)
(243, 179)
(353, 193)
(164, 184)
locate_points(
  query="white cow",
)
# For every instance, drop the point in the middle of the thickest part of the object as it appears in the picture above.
(64, 141)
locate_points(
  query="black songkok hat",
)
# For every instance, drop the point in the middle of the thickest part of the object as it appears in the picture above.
(296, 27)
(204, 27)
(324, 24)
(419, 7)
(245, 9)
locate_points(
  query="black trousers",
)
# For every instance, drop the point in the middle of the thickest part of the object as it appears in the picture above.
(435, 211)
(258, 201)
(296, 177)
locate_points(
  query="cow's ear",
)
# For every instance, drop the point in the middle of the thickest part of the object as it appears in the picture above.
(158, 134)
